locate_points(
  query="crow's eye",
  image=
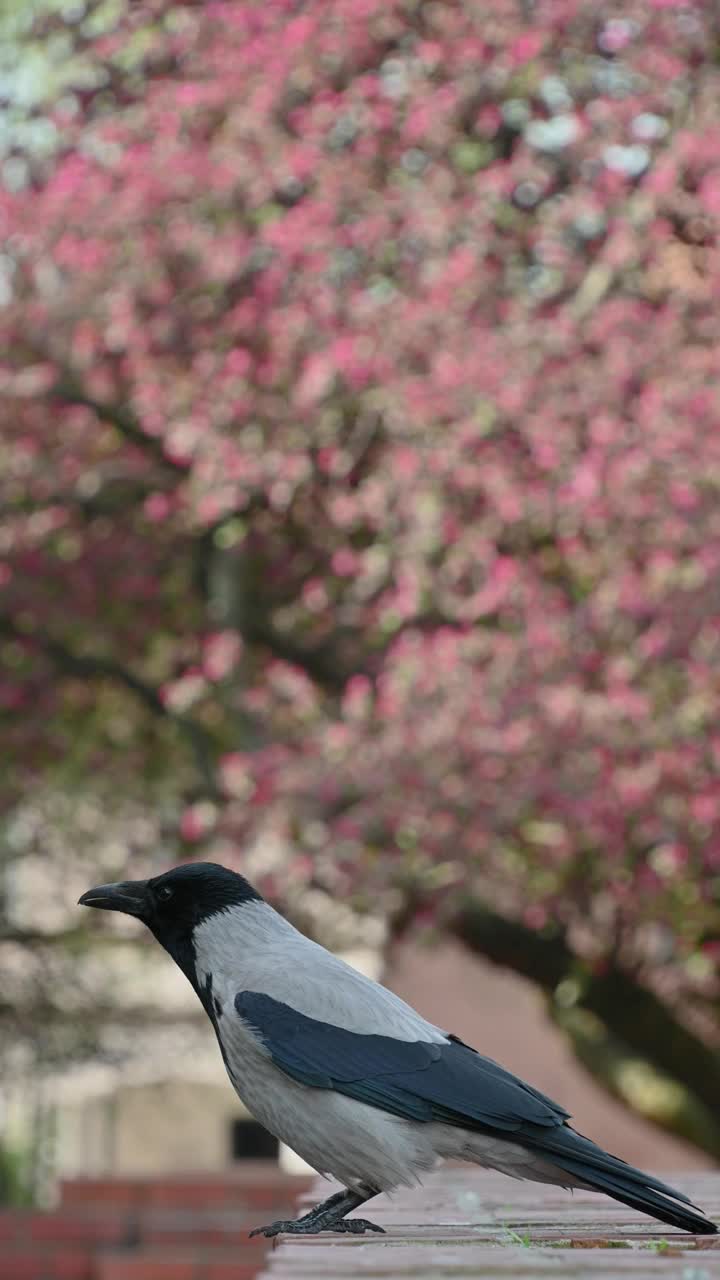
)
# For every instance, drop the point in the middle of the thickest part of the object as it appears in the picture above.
(164, 892)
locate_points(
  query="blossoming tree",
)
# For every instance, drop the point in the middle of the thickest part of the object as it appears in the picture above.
(360, 472)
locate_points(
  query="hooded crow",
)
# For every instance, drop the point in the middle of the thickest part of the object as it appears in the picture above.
(346, 1073)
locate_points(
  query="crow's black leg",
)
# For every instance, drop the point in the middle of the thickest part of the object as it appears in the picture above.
(328, 1216)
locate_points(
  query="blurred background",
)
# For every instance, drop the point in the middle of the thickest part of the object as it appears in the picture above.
(360, 529)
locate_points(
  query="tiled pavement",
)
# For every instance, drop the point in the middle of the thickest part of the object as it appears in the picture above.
(467, 1223)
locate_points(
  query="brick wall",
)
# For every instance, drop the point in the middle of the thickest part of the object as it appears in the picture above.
(190, 1228)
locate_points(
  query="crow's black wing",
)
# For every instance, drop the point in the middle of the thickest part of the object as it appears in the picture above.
(419, 1080)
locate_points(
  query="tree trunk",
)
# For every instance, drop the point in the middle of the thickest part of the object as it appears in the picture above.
(630, 1021)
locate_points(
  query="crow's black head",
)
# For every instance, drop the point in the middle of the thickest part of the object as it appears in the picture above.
(172, 905)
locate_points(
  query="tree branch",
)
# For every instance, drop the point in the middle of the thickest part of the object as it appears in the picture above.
(40, 1014)
(91, 667)
(318, 662)
(113, 499)
(70, 937)
(636, 1082)
(69, 390)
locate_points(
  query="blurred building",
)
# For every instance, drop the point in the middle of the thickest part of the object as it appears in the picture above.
(166, 1107)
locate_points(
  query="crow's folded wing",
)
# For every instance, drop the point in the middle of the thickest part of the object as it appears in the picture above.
(415, 1079)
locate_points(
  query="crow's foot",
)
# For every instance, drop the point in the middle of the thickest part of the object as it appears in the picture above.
(355, 1226)
(328, 1216)
(275, 1228)
(310, 1226)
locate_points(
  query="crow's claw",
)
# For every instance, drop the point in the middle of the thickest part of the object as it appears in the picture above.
(310, 1226)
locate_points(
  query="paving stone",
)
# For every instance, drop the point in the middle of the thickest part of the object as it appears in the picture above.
(470, 1223)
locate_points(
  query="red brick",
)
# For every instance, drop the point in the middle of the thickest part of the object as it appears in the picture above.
(190, 1194)
(265, 1196)
(73, 1265)
(129, 1266)
(92, 1191)
(260, 1186)
(39, 1264)
(24, 1267)
(54, 1228)
(196, 1231)
(9, 1222)
(241, 1270)
(223, 1193)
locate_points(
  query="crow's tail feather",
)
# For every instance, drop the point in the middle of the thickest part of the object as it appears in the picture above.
(598, 1170)
(640, 1197)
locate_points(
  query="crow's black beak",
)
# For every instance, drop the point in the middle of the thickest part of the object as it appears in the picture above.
(130, 896)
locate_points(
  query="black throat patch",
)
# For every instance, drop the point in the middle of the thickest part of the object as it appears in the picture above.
(182, 899)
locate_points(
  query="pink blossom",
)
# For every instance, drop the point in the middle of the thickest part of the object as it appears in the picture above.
(526, 47)
(158, 506)
(197, 821)
(236, 775)
(221, 652)
(181, 694)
